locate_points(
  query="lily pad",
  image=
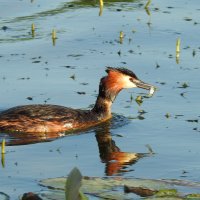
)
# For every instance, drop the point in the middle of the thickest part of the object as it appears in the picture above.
(113, 188)
(4, 196)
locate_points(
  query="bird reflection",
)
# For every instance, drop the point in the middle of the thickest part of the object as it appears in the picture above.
(116, 160)
(15, 138)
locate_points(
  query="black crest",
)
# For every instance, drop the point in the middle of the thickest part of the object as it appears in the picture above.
(122, 70)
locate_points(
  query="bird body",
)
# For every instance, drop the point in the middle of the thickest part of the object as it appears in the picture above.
(39, 118)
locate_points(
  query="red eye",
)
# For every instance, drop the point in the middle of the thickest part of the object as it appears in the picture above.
(131, 79)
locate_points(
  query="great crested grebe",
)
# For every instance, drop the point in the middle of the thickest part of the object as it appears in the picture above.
(55, 118)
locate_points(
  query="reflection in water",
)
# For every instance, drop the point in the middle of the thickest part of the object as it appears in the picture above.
(147, 11)
(116, 160)
(17, 35)
(74, 5)
(3, 160)
(14, 138)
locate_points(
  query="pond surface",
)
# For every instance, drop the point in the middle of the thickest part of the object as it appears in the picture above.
(34, 70)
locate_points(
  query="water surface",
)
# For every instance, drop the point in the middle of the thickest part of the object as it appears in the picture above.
(33, 70)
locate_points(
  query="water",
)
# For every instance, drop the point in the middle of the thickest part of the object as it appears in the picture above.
(85, 44)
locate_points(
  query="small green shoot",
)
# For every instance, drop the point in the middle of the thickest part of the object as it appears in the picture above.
(33, 30)
(3, 160)
(33, 27)
(121, 37)
(54, 37)
(178, 43)
(100, 7)
(3, 151)
(72, 186)
(121, 34)
(139, 100)
(101, 3)
(53, 34)
(3, 144)
(147, 4)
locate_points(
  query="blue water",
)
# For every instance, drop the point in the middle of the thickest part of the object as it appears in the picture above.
(86, 43)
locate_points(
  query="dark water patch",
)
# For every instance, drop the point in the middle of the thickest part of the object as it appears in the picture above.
(24, 78)
(69, 67)
(29, 98)
(188, 19)
(75, 5)
(84, 83)
(166, 12)
(36, 61)
(193, 120)
(81, 93)
(184, 85)
(4, 28)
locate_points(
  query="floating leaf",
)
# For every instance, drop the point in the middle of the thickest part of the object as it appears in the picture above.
(139, 100)
(166, 192)
(4, 196)
(193, 196)
(82, 196)
(112, 188)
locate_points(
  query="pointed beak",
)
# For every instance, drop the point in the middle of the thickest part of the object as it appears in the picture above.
(143, 85)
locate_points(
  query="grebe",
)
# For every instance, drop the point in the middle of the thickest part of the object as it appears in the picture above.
(54, 118)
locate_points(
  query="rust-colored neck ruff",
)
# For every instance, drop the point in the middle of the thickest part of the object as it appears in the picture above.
(109, 88)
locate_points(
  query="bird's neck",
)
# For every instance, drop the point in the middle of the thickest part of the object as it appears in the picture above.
(106, 97)
(102, 107)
